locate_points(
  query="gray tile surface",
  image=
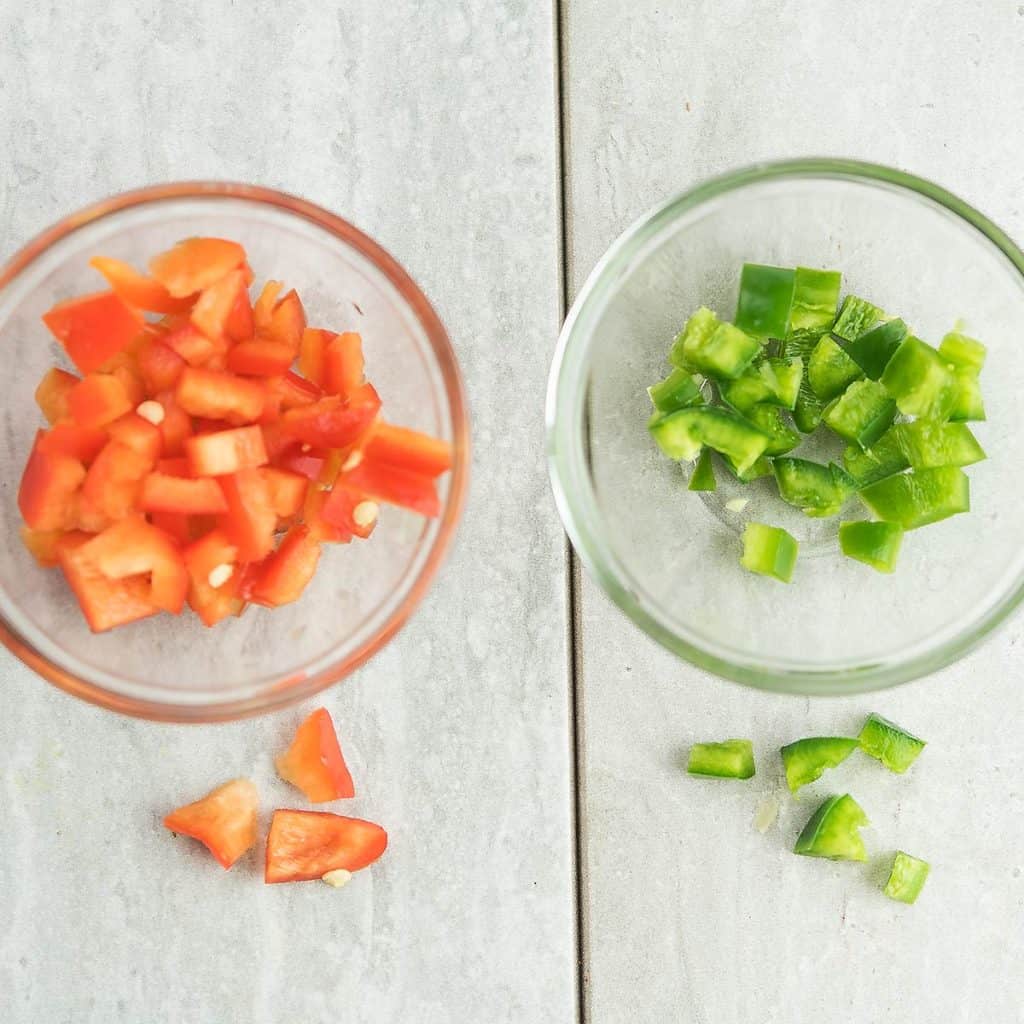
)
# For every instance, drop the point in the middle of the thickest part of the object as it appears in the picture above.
(690, 914)
(432, 127)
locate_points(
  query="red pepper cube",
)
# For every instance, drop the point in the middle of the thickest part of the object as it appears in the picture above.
(329, 423)
(314, 761)
(82, 443)
(260, 357)
(351, 510)
(98, 399)
(343, 365)
(138, 434)
(287, 490)
(175, 524)
(207, 560)
(48, 487)
(250, 520)
(311, 353)
(159, 366)
(187, 341)
(395, 486)
(42, 545)
(164, 493)
(286, 572)
(216, 306)
(226, 451)
(176, 426)
(195, 264)
(409, 449)
(286, 322)
(319, 527)
(112, 484)
(52, 394)
(92, 328)
(137, 289)
(220, 396)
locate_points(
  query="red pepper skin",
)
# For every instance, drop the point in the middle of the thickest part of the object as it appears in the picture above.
(286, 572)
(164, 493)
(311, 353)
(159, 366)
(329, 423)
(343, 364)
(216, 395)
(220, 309)
(93, 328)
(260, 357)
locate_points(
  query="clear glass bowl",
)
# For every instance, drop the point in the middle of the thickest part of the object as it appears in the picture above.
(174, 668)
(670, 558)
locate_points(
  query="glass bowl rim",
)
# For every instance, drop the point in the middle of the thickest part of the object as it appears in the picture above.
(278, 696)
(570, 481)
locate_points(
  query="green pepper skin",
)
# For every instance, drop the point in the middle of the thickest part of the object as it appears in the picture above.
(830, 370)
(920, 380)
(832, 831)
(928, 444)
(682, 434)
(703, 477)
(766, 295)
(730, 759)
(677, 391)
(874, 544)
(884, 458)
(818, 491)
(769, 419)
(808, 759)
(862, 414)
(856, 317)
(919, 498)
(896, 748)
(769, 551)
(873, 349)
(815, 298)
(907, 877)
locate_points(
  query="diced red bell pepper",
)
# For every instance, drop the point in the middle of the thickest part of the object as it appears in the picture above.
(319, 528)
(308, 464)
(112, 484)
(48, 487)
(177, 466)
(314, 762)
(209, 552)
(195, 264)
(239, 325)
(224, 821)
(164, 493)
(98, 399)
(175, 524)
(137, 289)
(226, 451)
(260, 357)
(52, 394)
(89, 517)
(132, 547)
(263, 308)
(350, 510)
(329, 423)
(82, 443)
(138, 434)
(286, 572)
(92, 328)
(286, 323)
(131, 381)
(289, 391)
(159, 366)
(176, 426)
(274, 440)
(250, 520)
(205, 556)
(344, 364)
(42, 545)
(215, 307)
(303, 845)
(287, 490)
(220, 396)
(105, 602)
(395, 486)
(311, 353)
(187, 341)
(409, 449)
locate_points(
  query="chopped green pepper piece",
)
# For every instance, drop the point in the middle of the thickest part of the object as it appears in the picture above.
(774, 381)
(968, 404)
(725, 354)
(928, 444)
(884, 458)
(920, 380)
(678, 390)
(856, 317)
(873, 349)
(769, 551)
(862, 414)
(830, 370)
(808, 408)
(832, 831)
(918, 498)
(818, 491)
(730, 759)
(907, 878)
(815, 297)
(874, 544)
(963, 352)
(806, 760)
(896, 748)
(766, 295)
(696, 333)
(703, 478)
(769, 419)
(762, 467)
(680, 435)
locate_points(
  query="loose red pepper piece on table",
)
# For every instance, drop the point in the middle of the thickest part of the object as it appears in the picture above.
(224, 821)
(303, 845)
(314, 762)
(92, 328)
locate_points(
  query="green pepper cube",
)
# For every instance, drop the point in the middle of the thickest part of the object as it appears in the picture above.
(769, 551)
(808, 407)
(678, 390)
(730, 759)
(833, 832)
(703, 477)
(856, 317)
(907, 878)
(773, 381)
(815, 298)
(726, 353)
(919, 498)
(884, 458)
(928, 444)
(963, 352)
(769, 419)
(830, 370)
(818, 491)
(874, 544)
(862, 414)
(762, 467)
(766, 295)
(682, 434)
(896, 748)
(920, 380)
(873, 349)
(968, 404)
(696, 332)
(808, 759)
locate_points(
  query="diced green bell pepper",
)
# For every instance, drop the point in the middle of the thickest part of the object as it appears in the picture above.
(907, 878)
(725, 354)
(769, 551)
(874, 544)
(920, 380)
(730, 759)
(761, 468)
(896, 748)
(862, 414)
(766, 295)
(808, 408)
(696, 332)
(815, 298)
(682, 434)
(769, 419)
(832, 831)
(703, 477)
(873, 349)
(919, 498)
(830, 370)
(818, 491)
(884, 458)
(773, 381)
(807, 759)
(963, 352)
(856, 317)
(928, 444)
(968, 404)
(677, 391)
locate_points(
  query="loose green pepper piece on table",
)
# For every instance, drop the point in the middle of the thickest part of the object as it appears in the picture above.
(730, 759)
(873, 349)
(874, 544)
(830, 370)
(920, 380)
(907, 878)
(815, 298)
(808, 759)
(818, 491)
(832, 831)
(769, 551)
(884, 458)
(896, 748)
(677, 391)
(928, 444)
(919, 498)
(856, 317)
(862, 414)
(703, 477)
(766, 295)
(682, 434)
(769, 419)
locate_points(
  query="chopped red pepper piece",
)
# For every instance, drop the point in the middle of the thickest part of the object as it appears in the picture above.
(138, 434)
(286, 323)
(176, 426)
(218, 306)
(224, 821)
(395, 486)
(206, 559)
(263, 309)
(303, 845)
(98, 399)
(260, 357)
(137, 289)
(164, 493)
(195, 264)
(159, 366)
(43, 545)
(175, 524)
(350, 510)
(219, 396)
(343, 364)
(409, 449)
(226, 451)
(314, 762)
(311, 353)
(187, 341)
(239, 325)
(308, 464)
(286, 572)
(287, 490)
(329, 423)
(250, 520)
(92, 328)
(82, 443)
(111, 487)
(47, 487)
(319, 527)
(52, 394)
